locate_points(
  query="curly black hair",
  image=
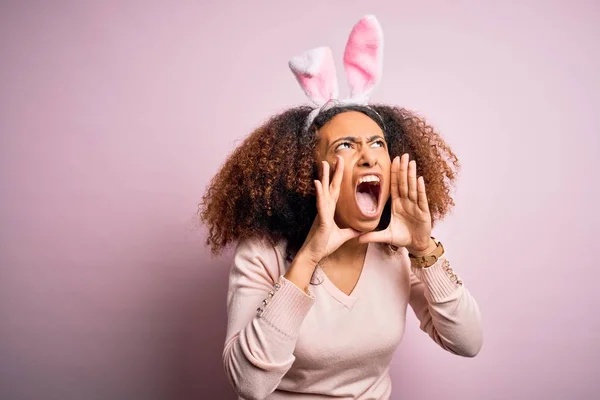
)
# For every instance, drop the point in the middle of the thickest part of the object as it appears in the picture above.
(265, 187)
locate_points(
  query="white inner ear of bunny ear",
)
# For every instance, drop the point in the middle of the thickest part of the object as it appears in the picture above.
(309, 61)
(315, 71)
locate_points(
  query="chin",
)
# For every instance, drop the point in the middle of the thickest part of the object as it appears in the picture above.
(355, 220)
(366, 226)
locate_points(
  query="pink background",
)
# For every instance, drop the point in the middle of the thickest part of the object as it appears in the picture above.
(115, 115)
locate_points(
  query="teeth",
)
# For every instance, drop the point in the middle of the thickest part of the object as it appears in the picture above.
(369, 178)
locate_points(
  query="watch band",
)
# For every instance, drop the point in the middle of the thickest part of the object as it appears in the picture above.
(429, 259)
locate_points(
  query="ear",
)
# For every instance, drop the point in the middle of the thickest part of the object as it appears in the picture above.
(315, 72)
(363, 57)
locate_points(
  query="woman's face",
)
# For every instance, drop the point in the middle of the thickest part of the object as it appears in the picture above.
(365, 184)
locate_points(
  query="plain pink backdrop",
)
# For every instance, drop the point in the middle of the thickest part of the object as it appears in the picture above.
(115, 115)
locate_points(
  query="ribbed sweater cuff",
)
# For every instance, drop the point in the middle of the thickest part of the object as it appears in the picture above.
(439, 280)
(287, 308)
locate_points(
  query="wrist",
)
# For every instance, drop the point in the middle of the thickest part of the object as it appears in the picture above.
(306, 259)
(301, 271)
(423, 251)
(427, 258)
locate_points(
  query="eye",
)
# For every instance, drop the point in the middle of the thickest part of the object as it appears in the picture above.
(378, 143)
(343, 145)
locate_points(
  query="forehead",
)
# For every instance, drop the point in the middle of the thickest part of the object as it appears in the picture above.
(350, 123)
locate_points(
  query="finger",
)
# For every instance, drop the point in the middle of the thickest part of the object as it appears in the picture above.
(402, 178)
(337, 177)
(325, 177)
(412, 180)
(376, 237)
(320, 197)
(423, 203)
(394, 178)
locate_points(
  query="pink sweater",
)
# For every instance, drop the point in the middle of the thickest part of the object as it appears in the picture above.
(329, 344)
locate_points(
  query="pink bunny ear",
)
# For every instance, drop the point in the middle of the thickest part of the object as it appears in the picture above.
(315, 72)
(363, 57)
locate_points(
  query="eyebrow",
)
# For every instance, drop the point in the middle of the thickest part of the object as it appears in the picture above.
(354, 139)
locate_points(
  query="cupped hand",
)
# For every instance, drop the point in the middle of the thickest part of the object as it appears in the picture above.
(410, 222)
(325, 236)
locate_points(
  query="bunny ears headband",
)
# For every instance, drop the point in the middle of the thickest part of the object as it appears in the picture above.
(315, 69)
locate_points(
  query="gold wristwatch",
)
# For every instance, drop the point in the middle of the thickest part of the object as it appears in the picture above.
(429, 259)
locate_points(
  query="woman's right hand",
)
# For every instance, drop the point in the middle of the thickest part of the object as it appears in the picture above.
(325, 236)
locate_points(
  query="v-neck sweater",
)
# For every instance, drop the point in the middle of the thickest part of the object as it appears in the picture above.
(283, 343)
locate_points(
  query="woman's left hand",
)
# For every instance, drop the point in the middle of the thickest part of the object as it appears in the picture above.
(410, 223)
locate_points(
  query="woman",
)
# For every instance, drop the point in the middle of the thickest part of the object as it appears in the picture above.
(334, 238)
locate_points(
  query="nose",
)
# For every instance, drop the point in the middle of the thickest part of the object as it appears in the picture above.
(367, 157)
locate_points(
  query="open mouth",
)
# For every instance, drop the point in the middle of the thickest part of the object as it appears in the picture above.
(367, 194)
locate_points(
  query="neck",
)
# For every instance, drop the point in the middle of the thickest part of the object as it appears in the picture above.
(349, 253)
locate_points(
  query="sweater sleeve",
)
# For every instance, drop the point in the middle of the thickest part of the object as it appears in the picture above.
(261, 336)
(447, 311)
